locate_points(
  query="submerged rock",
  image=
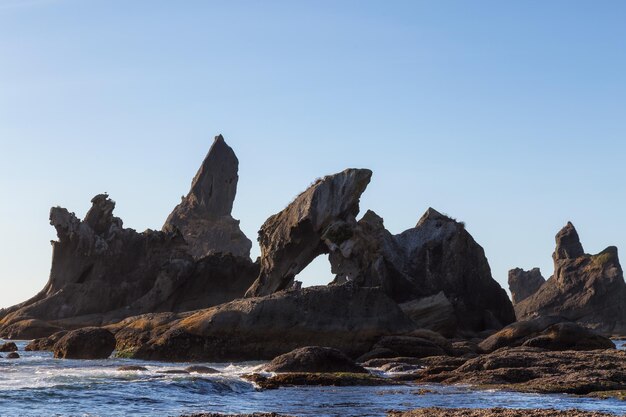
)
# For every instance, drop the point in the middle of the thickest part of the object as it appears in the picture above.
(314, 359)
(13, 355)
(204, 216)
(587, 289)
(85, 343)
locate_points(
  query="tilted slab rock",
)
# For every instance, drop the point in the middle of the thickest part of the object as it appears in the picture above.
(292, 239)
(346, 317)
(204, 215)
(587, 289)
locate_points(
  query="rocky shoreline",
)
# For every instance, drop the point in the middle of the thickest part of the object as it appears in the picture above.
(421, 306)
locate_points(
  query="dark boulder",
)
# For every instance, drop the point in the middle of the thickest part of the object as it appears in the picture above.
(8, 347)
(410, 346)
(314, 359)
(198, 369)
(132, 368)
(85, 343)
(13, 355)
(550, 332)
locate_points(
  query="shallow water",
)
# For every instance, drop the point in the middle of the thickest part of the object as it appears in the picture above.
(39, 385)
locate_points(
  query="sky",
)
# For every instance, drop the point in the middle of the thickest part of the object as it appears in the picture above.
(509, 116)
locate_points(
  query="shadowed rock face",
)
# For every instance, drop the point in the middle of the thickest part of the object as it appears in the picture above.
(588, 289)
(523, 284)
(102, 272)
(436, 270)
(204, 216)
(292, 239)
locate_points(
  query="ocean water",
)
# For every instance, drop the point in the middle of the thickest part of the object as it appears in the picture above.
(39, 385)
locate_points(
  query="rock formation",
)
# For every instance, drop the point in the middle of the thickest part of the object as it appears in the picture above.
(523, 284)
(292, 239)
(587, 289)
(102, 272)
(204, 216)
(346, 317)
(436, 270)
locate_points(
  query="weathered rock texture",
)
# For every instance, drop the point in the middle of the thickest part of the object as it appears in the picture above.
(292, 239)
(314, 359)
(204, 216)
(349, 318)
(523, 284)
(550, 332)
(102, 272)
(588, 289)
(436, 270)
(494, 412)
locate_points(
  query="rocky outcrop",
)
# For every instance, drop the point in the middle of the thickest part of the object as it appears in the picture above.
(494, 412)
(538, 370)
(8, 347)
(204, 215)
(550, 332)
(293, 238)
(85, 343)
(314, 359)
(523, 284)
(349, 318)
(587, 289)
(45, 343)
(436, 270)
(102, 272)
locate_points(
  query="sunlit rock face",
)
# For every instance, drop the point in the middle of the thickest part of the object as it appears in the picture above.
(588, 289)
(204, 215)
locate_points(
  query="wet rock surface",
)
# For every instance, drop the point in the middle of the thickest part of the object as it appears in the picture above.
(587, 289)
(314, 359)
(8, 347)
(494, 412)
(538, 370)
(85, 343)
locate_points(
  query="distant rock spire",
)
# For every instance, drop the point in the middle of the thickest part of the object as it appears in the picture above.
(204, 215)
(568, 244)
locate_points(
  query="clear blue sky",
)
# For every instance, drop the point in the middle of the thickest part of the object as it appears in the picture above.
(510, 116)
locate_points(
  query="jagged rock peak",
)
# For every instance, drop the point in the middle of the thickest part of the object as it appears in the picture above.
(568, 244)
(100, 215)
(523, 284)
(204, 215)
(215, 185)
(434, 215)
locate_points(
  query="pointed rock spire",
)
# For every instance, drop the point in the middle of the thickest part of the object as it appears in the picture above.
(568, 244)
(204, 215)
